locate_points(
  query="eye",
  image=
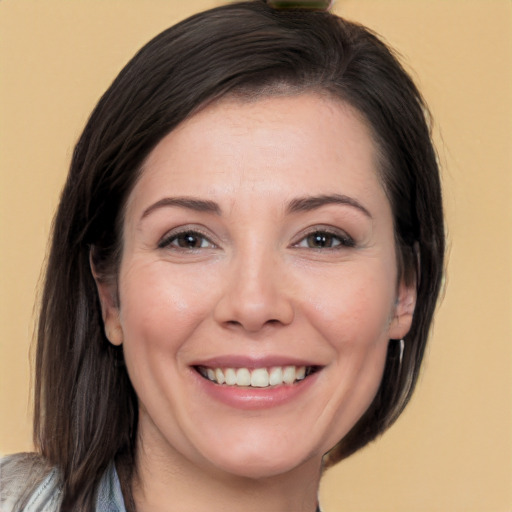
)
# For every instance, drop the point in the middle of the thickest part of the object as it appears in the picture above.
(322, 239)
(186, 240)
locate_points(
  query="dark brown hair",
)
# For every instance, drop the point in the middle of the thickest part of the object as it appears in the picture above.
(85, 406)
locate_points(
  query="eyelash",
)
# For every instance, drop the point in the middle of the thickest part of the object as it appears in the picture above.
(168, 240)
(340, 240)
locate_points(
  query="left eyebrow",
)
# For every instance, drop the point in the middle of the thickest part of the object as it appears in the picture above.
(304, 204)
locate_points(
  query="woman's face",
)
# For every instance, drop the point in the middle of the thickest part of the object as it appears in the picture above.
(258, 285)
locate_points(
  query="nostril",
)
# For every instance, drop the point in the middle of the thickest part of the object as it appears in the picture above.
(251, 306)
(236, 323)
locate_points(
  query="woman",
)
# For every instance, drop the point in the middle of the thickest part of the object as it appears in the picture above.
(244, 268)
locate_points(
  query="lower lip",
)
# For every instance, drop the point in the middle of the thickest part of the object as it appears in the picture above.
(255, 398)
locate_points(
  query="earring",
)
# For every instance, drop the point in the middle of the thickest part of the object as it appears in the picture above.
(401, 356)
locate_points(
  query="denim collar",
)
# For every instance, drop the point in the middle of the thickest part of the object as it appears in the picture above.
(110, 496)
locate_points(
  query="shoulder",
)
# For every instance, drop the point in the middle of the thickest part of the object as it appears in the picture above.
(28, 483)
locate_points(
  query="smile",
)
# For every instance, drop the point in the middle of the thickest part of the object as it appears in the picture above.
(256, 377)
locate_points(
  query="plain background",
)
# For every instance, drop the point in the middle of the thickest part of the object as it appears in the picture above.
(451, 451)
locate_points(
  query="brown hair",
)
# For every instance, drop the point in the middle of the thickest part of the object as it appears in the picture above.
(85, 407)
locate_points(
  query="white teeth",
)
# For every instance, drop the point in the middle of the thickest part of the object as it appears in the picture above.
(230, 375)
(243, 377)
(219, 376)
(289, 375)
(257, 378)
(276, 376)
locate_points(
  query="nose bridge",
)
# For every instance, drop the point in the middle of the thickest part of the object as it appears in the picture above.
(254, 294)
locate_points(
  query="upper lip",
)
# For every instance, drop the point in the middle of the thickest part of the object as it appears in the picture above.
(243, 361)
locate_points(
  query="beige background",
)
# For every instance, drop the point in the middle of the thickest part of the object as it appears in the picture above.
(451, 451)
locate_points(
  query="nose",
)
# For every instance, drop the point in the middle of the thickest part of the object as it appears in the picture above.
(255, 294)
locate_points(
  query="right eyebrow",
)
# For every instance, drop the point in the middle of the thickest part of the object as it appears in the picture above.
(191, 203)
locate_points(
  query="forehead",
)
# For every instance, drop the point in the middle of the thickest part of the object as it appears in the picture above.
(277, 147)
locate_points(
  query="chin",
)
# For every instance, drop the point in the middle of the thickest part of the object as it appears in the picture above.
(263, 462)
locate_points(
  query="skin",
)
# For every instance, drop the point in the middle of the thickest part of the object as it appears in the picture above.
(254, 284)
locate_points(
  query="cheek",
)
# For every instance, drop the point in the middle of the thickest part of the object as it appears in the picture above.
(158, 315)
(352, 309)
(352, 315)
(161, 307)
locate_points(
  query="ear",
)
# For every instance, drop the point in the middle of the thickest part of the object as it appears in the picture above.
(404, 310)
(109, 307)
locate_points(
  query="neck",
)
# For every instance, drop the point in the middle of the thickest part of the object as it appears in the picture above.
(168, 483)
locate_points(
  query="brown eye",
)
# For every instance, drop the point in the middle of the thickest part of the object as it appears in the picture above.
(326, 240)
(321, 240)
(189, 241)
(186, 240)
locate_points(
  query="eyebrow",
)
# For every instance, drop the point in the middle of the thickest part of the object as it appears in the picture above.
(301, 204)
(191, 203)
(305, 204)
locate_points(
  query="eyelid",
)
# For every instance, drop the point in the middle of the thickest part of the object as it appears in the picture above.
(166, 240)
(345, 239)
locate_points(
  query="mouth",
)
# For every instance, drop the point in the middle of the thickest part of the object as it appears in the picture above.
(256, 377)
